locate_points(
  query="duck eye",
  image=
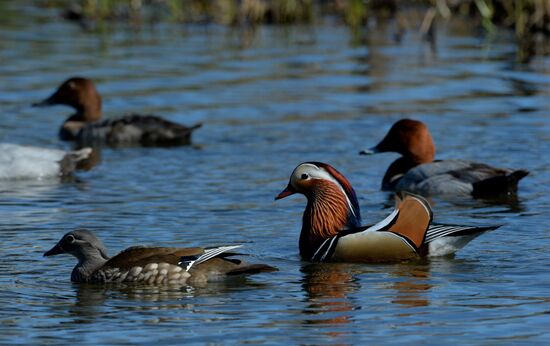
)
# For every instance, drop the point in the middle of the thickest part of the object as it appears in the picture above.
(304, 176)
(70, 239)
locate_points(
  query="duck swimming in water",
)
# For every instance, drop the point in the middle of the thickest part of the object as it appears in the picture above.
(150, 265)
(23, 162)
(86, 127)
(417, 172)
(332, 229)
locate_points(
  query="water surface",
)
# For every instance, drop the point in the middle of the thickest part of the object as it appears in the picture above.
(270, 99)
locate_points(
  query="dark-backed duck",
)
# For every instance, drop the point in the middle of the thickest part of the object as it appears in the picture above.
(417, 172)
(86, 127)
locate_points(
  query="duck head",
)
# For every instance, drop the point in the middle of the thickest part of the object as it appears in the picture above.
(79, 93)
(410, 138)
(86, 247)
(332, 205)
(80, 243)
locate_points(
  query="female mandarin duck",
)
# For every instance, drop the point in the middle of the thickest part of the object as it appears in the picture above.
(416, 171)
(18, 162)
(85, 126)
(149, 265)
(332, 231)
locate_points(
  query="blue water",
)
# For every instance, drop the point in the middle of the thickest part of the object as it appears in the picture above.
(270, 99)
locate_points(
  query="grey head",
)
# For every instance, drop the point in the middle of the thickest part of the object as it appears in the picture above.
(82, 244)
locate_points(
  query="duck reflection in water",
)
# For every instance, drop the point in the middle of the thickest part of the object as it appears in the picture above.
(331, 289)
(327, 286)
(92, 301)
(413, 284)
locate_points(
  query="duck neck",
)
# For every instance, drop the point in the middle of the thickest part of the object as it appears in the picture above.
(327, 213)
(86, 113)
(86, 266)
(396, 170)
(73, 124)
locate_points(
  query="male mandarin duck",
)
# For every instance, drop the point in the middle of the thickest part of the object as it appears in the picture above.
(85, 126)
(417, 172)
(18, 162)
(332, 230)
(150, 265)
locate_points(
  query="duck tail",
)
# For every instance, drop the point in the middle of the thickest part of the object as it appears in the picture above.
(196, 126)
(182, 134)
(445, 240)
(69, 161)
(502, 184)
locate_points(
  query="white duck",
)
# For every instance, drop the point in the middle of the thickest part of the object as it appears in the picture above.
(19, 162)
(332, 231)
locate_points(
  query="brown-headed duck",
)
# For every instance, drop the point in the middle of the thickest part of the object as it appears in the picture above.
(332, 230)
(417, 172)
(87, 128)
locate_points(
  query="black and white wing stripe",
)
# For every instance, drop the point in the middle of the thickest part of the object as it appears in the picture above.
(436, 231)
(325, 250)
(208, 254)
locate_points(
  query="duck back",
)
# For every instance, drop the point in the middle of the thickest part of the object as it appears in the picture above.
(456, 177)
(145, 130)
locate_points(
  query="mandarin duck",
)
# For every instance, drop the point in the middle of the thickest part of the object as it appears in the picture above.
(86, 128)
(150, 265)
(332, 230)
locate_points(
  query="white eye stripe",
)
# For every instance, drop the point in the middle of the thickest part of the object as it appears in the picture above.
(316, 172)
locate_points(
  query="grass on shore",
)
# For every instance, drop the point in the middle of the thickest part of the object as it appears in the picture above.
(529, 19)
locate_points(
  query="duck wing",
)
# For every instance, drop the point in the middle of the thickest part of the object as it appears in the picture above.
(163, 265)
(140, 256)
(450, 177)
(214, 263)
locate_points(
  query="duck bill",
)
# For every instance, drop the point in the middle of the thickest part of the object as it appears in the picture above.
(289, 190)
(371, 151)
(56, 250)
(50, 101)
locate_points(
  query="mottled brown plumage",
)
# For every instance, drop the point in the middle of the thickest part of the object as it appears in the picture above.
(149, 265)
(141, 256)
